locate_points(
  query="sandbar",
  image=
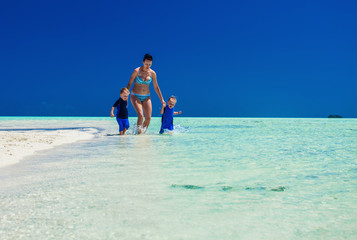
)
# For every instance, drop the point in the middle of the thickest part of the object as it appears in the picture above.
(16, 145)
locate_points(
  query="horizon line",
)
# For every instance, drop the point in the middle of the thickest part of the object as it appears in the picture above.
(66, 116)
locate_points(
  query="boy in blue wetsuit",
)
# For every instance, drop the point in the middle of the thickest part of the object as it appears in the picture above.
(122, 111)
(168, 112)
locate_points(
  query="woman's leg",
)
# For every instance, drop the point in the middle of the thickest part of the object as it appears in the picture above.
(147, 106)
(138, 106)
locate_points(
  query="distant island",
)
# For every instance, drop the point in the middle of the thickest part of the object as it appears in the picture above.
(334, 116)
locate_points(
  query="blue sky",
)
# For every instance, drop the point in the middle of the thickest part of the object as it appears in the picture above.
(220, 58)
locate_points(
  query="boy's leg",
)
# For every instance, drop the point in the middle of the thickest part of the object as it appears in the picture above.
(121, 126)
(126, 125)
(171, 129)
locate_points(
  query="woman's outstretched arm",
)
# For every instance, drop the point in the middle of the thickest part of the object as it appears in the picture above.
(157, 88)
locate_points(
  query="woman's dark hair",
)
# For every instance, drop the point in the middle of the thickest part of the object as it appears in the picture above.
(147, 57)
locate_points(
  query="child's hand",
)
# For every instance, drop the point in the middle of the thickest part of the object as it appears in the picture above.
(112, 115)
(179, 112)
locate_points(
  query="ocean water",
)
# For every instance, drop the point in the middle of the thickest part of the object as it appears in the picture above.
(213, 178)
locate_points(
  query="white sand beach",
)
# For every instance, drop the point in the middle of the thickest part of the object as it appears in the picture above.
(15, 145)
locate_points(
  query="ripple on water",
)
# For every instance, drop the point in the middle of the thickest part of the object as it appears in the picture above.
(186, 186)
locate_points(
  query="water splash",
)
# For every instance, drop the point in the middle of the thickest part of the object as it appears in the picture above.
(181, 129)
(178, 129)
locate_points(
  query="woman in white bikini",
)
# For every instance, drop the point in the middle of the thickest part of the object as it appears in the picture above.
(140, 95)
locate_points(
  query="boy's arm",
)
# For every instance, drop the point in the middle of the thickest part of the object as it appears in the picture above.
(112, 112)
(179, 112)
(114, 106)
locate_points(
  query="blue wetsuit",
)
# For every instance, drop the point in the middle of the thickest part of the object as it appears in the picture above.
(167, 120)
(122, 114)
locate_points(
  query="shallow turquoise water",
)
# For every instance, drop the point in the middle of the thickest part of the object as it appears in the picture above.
(214, 178)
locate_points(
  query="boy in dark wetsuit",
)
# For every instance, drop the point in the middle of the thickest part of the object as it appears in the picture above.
(122, 111)
(168, 112)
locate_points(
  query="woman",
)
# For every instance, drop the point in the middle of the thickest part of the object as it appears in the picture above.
(140, 95)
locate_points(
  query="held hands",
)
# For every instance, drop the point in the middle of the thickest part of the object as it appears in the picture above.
(179, 112)
(163, 103)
